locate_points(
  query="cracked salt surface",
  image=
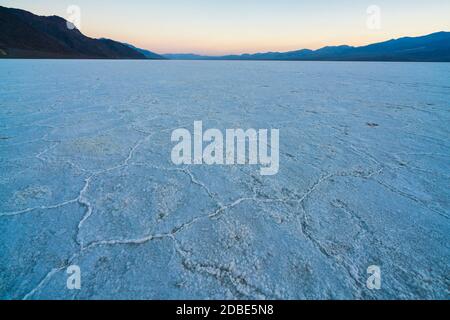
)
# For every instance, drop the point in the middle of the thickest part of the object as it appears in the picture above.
(86, 179)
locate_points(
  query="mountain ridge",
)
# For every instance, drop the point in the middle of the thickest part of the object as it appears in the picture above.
(433, 47)
(26, 35)
(147, 53)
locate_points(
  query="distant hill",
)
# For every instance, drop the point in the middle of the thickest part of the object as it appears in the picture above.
(187, 56)
(430, 48)
(25, 35)
(148, 54)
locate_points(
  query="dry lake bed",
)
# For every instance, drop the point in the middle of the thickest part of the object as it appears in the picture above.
(86, 179)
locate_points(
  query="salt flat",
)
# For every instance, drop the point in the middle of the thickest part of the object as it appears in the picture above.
(86, 179)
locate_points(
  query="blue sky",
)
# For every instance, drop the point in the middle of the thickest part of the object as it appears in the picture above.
(238, 26)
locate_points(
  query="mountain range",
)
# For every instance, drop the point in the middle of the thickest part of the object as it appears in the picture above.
(430, 48)
(25, 35)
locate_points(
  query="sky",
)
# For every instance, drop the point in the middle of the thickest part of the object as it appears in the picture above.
(216, 27)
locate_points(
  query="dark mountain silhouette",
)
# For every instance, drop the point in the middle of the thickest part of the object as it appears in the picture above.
(25, 35)
(430, 48)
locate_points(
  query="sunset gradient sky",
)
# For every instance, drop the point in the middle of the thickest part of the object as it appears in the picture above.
(246, 26)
